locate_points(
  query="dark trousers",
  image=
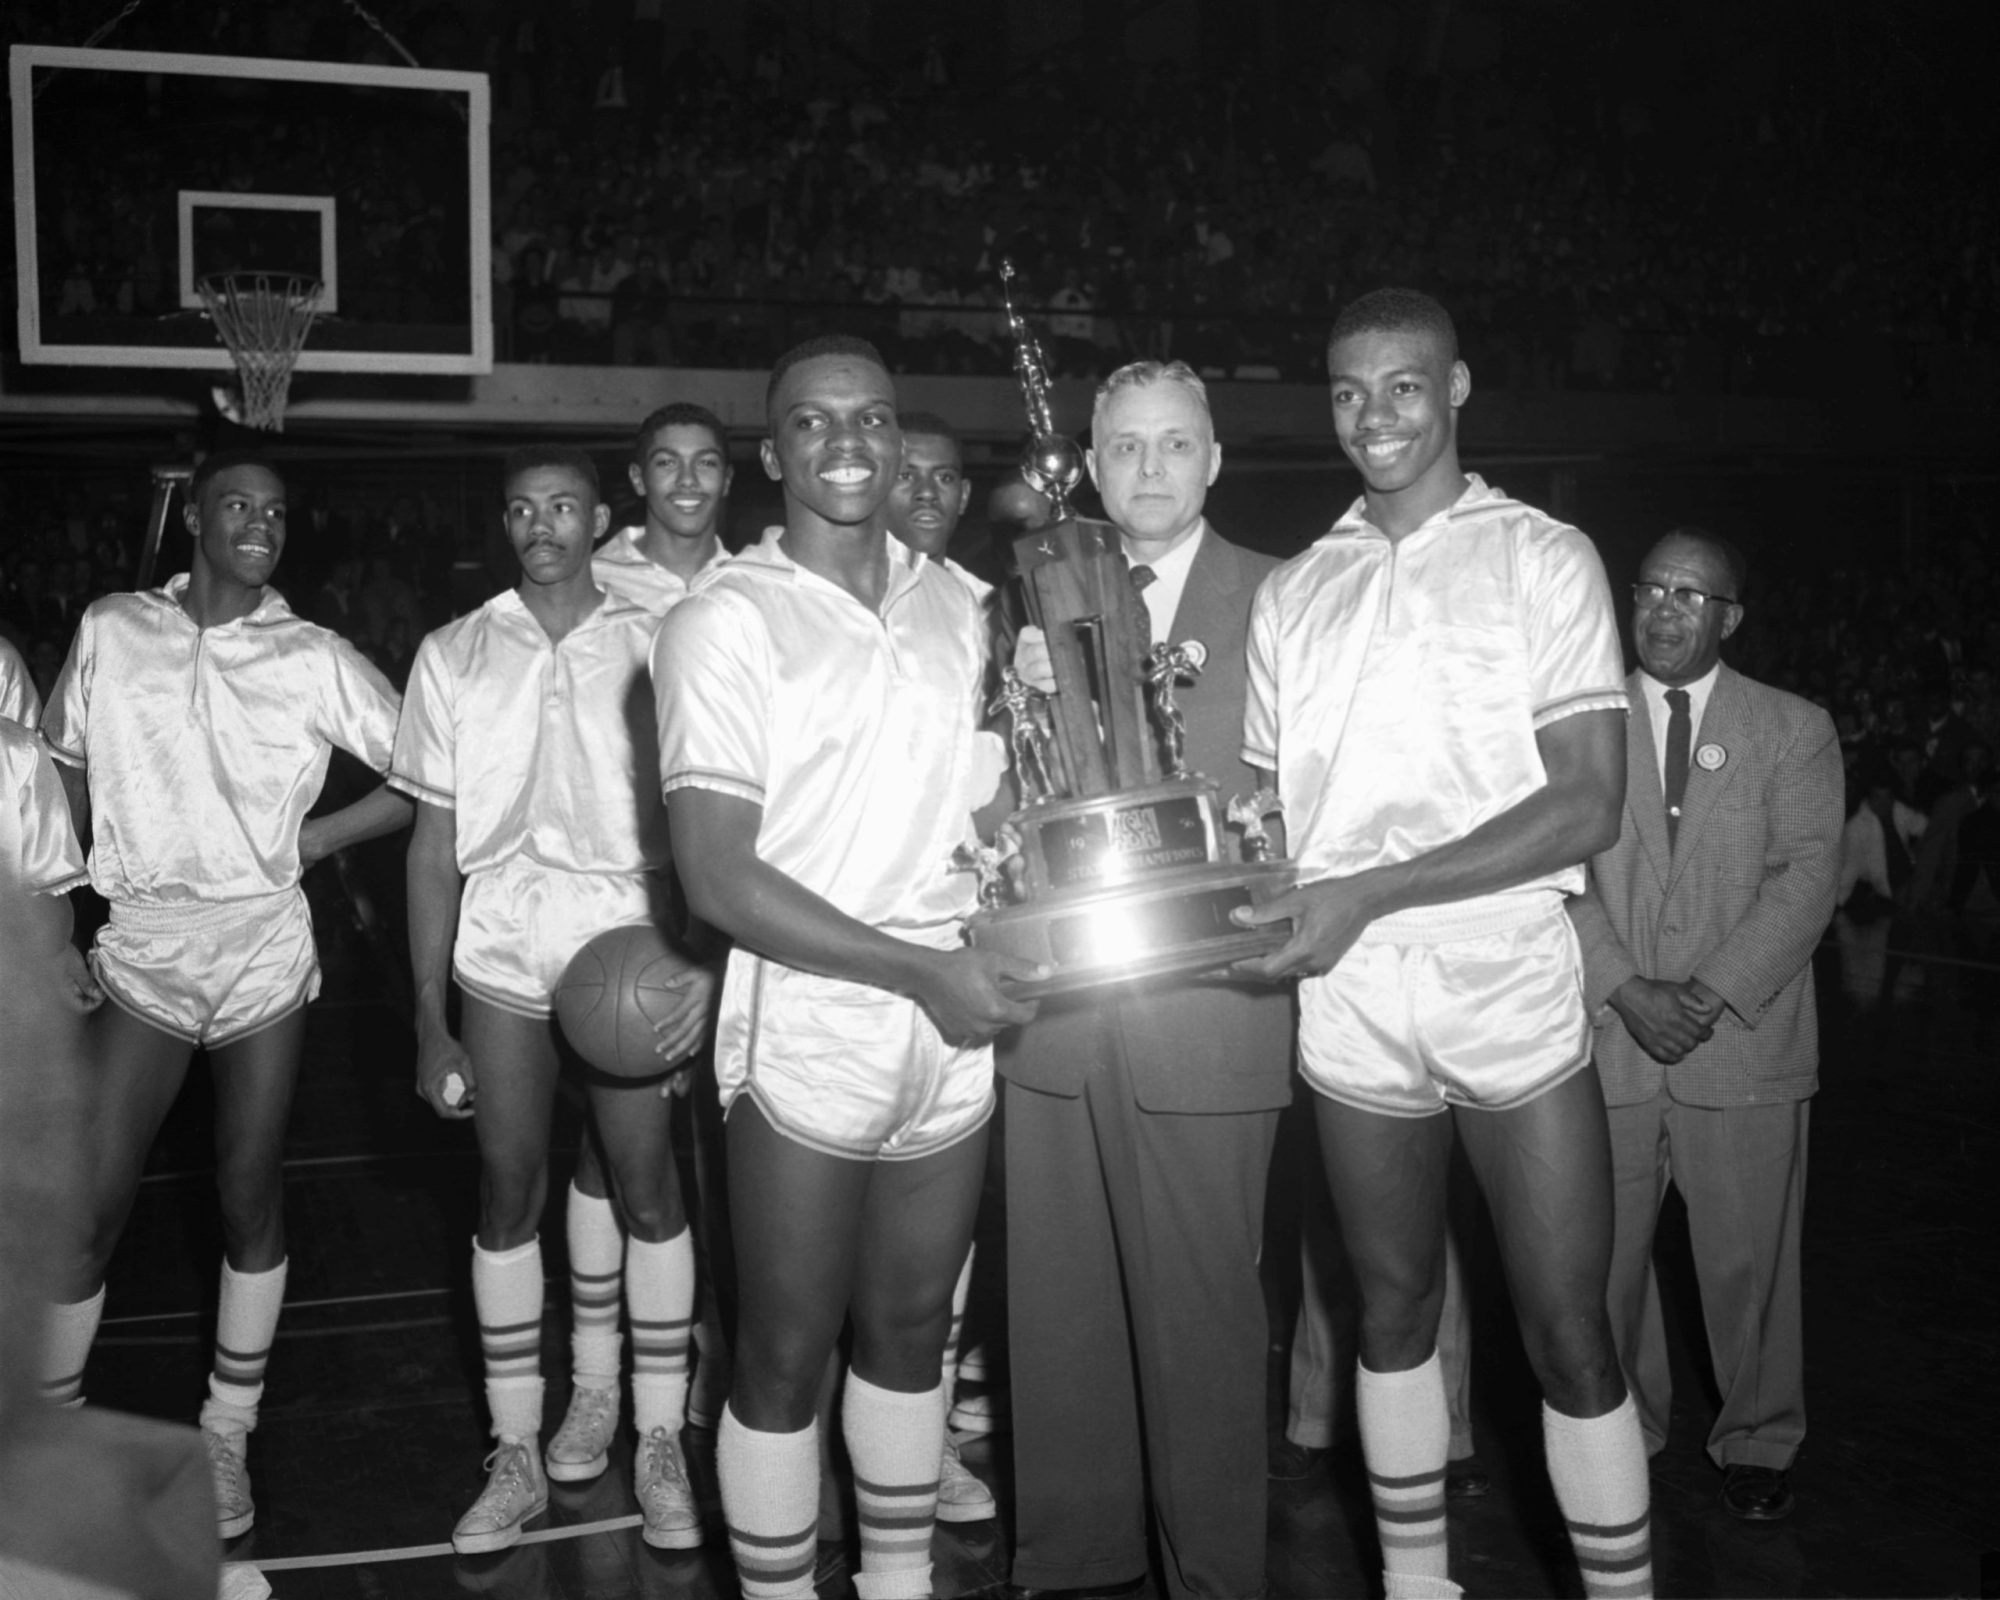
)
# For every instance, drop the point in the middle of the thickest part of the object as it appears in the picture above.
(1137, 1333)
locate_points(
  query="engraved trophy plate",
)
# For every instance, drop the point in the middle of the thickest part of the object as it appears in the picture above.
(1127, 869)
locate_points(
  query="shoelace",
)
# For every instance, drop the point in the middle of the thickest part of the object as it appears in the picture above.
(664, 1459)
(221, 1456)
(511, 1460)
(589, 1409)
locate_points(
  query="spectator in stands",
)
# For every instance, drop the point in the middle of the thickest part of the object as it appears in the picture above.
(1878, 847)
(640, 311)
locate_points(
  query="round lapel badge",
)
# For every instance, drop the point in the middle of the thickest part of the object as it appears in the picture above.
(1710, 757)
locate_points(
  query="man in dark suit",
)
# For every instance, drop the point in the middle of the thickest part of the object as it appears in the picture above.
(1698, 930)
(1139, 1124)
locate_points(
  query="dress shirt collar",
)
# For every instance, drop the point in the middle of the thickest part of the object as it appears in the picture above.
(1170, 576)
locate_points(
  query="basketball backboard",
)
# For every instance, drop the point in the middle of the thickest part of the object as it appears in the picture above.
(138, 173)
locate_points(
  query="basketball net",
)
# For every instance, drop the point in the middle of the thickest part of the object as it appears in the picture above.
(263, 318)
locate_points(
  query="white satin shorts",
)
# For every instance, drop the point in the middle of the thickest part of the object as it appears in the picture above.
(210, 972)
(846, 1068)
(1476, 1004)
(519, 925)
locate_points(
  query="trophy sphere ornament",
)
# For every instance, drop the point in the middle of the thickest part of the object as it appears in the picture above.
(1053, 465)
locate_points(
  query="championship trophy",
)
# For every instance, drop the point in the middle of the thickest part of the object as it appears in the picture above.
(1125, 866)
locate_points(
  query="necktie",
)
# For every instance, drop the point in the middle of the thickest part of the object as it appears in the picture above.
(1141, 576)
(1680, 734)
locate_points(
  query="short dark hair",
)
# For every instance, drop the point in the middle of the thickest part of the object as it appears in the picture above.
(679, 414)
(932, 426)
(221, 461)
(528, 457)
(1394, 311)
(826, 344)
(1728, 553)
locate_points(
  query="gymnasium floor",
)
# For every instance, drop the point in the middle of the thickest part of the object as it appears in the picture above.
(372, 1435)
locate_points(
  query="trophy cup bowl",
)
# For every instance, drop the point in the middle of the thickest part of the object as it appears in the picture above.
(1130, 885)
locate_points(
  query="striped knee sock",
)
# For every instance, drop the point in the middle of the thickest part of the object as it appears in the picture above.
(1405, 1432)
(770, 1499)
(596, 1258)
(71, 1331)
(959, 1295)
(1598, 1467)
(894, 1440)
(245, 1325)
(659, 1291)
(507, 1291)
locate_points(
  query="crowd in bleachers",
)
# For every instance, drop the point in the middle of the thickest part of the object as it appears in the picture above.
(654, 206)
(1210, 217)
(1910, 668)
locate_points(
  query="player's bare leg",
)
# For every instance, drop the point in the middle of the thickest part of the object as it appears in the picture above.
(633, 1122)
(254, 1079)
(1389, 1178)
(516, 1062)
(136, 1072)
(1546, 1170)
(916, 1231)
(715, 1302)
(813, 1233)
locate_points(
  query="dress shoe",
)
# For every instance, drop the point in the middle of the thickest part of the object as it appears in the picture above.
(1466, 1479)
(1289, 1462)
(1757, 1494)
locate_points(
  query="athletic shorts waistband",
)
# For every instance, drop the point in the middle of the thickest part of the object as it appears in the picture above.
(1465, 919)
(197, 916)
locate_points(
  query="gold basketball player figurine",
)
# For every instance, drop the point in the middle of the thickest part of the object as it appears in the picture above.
(1168, 665)
(1029, 739)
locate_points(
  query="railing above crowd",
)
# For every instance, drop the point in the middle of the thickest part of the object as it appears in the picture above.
(573, 327)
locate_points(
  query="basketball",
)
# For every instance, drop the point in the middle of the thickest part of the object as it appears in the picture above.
(612, 992)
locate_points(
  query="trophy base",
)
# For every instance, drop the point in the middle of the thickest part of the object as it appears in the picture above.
(1169, 922)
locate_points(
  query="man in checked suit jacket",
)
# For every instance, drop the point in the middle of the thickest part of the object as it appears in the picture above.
(1698, 929)
(1139, 1125)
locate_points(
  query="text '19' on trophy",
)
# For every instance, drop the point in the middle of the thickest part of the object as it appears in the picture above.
(1127, 869)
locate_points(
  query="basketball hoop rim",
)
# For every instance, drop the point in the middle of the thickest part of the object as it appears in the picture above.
(262, 319)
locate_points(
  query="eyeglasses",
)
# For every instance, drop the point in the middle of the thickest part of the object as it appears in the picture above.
(1649, 595)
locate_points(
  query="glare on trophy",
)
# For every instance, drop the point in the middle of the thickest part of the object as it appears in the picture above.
(1125, 870)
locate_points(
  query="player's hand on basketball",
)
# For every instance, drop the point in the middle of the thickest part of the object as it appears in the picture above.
(1326, 917)
(1654, 1015)
(76, 983)
(445, 1080)
(967, 996)
(1032, 661)
(681, 1031)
